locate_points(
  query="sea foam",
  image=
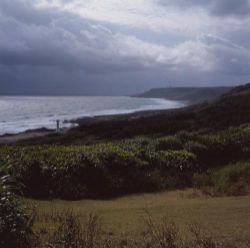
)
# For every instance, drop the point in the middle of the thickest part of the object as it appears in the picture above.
(21, 113)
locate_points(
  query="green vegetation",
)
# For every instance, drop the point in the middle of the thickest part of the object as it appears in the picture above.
(190, 95)
(105, 159)
(141, 164)
(134, 221)
(122, 220)
(15, 220)
(233, 179)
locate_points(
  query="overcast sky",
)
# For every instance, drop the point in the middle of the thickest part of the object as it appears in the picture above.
(121, 46)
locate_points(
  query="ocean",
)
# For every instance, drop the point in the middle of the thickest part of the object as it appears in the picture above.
(22, 113)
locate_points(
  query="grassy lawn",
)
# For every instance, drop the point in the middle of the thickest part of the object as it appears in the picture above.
(227, 217)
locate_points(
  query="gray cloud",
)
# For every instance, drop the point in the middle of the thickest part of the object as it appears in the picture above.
(58, 40)
(231, 7)
(215, 7)
(47, 50)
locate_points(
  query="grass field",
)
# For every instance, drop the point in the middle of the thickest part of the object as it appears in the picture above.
(224, 217)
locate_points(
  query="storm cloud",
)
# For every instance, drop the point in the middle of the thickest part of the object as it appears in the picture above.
(121, 47)
(215, 7)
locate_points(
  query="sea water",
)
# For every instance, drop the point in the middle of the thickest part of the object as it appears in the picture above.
(21, 113)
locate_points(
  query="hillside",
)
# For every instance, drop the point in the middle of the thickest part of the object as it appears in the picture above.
(158, 161)
(199, 146)
(191, 95)
(231, 109)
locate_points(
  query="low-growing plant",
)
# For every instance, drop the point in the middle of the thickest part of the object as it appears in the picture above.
(110, 169)
(164, 234)
(74, 234)
(15, 220)
(233, 179)
(169, 143)
(202, 180)
(167, 234)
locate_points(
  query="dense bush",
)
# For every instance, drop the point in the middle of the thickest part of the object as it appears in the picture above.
(15, 220)
(125, 166)
(227, 146)
(169, 143)
(104, 170)
(123, 172)
(77, 172)
(233, 179)
(172, 169)
(202, 180)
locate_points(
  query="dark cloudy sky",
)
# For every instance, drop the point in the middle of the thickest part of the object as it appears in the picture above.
(121, 46)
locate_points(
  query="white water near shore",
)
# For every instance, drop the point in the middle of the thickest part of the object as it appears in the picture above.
(21, 113)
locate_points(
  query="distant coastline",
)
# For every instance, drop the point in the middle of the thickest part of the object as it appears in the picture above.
(181, 95)
(79, 119)
(33, 134)
(189, 95)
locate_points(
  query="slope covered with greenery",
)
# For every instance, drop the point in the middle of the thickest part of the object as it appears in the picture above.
(232, 109)
(141, 164)
(190, 95)
(205, 147)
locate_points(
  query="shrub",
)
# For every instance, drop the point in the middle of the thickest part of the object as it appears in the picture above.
(124, 166)
(195, 147)
(180, 160)
(97, 171)
(227, 146)
(70, 232)
(185, 136)
(35, 178)
(202, 180)
(168, 143)
(15, 220)
(172, 169)
(123, 172)
(233, 179)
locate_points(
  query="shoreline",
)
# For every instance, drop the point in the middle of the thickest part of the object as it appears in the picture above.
(12, 138)
(26, 135)
(31, 134)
